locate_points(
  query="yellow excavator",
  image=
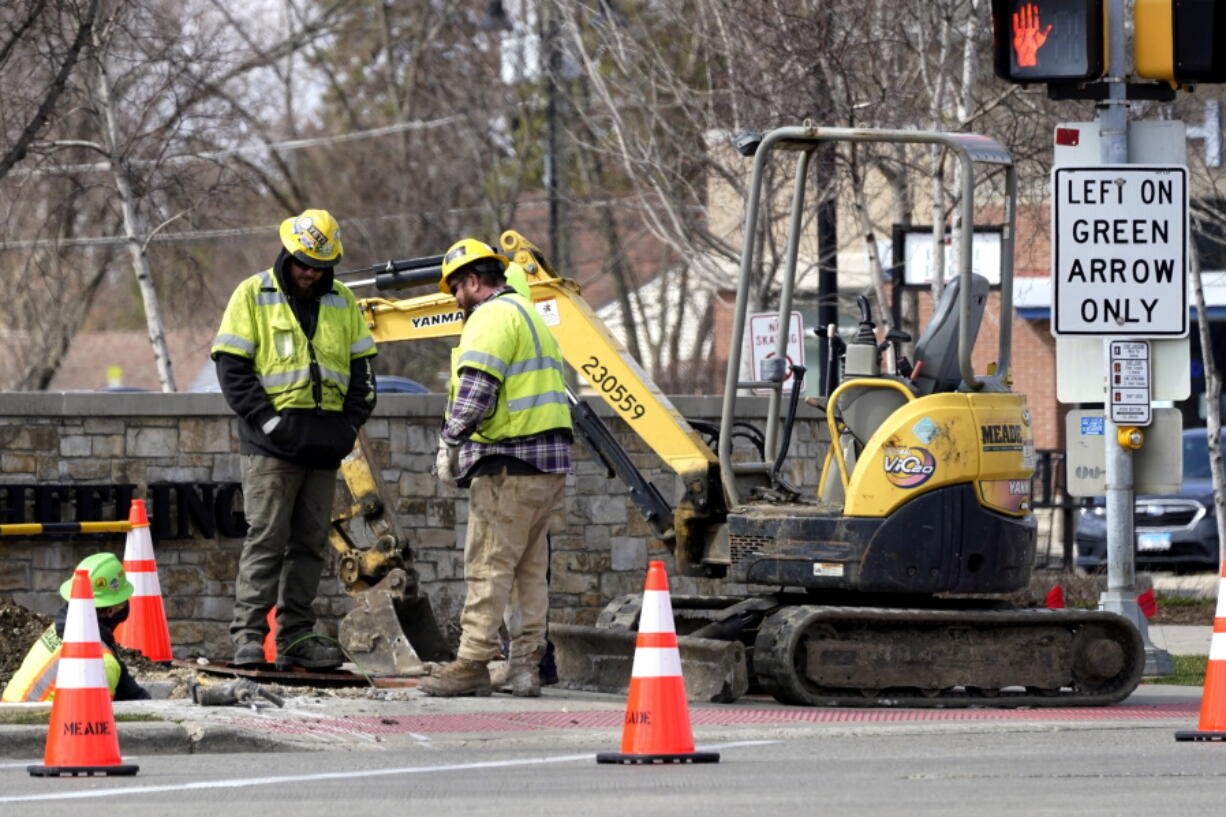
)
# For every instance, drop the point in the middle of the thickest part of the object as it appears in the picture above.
(875, 591)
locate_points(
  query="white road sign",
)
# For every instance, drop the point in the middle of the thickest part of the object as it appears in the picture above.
(1129, 382)
(763, 332)
(1119, 250)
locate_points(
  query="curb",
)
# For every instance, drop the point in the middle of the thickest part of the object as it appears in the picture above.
(24, 742)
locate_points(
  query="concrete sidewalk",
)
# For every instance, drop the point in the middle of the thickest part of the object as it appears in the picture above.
(1195, 585)
(378, 720)
(1181, 639)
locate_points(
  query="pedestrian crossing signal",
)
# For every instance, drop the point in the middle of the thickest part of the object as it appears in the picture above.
(1181, 41)
(1053, 41)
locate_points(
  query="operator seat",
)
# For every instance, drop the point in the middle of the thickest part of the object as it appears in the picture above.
(937, 347)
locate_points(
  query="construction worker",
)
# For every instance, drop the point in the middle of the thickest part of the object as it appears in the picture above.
(294, 361)
(35, 679)
(506, 436)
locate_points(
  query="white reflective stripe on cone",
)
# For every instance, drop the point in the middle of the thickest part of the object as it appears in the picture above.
(656, 662)
(1217, 647)
(81, 673)
(145, 583)
(142, 545)
(1221, 599)
(81, 626)
(657, 613)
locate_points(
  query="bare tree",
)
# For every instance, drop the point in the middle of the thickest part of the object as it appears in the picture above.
(662, 78)
(153, 101)
(44, 41)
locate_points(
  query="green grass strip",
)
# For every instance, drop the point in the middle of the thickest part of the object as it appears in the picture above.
(1189, 671)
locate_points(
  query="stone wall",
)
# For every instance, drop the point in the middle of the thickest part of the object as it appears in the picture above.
(152, 441)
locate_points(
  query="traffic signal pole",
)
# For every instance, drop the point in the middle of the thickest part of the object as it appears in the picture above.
(1121, 594)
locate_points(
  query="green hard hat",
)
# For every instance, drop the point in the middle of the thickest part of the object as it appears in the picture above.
(108, 581)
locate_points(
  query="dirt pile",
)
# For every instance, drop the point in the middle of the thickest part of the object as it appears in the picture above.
(18, 629)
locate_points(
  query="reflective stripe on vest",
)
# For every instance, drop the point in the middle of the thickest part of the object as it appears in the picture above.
(259, 324)
(532, 398)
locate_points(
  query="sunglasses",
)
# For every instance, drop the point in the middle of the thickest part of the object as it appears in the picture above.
(456, 283)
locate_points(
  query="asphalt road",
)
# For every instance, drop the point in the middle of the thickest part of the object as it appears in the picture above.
(1032, 765)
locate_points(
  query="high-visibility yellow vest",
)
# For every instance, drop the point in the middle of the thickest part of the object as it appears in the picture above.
(260, 325)
(506, 338)
(35, 679)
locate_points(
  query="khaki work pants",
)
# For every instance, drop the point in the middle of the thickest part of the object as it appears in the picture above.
(288, 508)
(506, 549)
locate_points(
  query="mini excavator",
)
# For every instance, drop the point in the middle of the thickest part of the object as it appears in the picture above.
(880, 589)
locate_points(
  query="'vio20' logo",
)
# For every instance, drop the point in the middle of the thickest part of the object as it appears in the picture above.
(909, 467)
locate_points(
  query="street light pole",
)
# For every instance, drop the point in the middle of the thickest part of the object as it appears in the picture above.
(559, 246)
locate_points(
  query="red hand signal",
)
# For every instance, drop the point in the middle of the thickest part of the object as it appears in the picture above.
(1027, 38)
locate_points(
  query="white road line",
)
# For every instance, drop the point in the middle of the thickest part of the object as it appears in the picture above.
(242, 782)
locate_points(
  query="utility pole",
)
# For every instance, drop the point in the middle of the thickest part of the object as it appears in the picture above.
(1121, 594)
(559, 246)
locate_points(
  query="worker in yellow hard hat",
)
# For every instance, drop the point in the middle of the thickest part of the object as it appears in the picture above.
(35, 678)
(506, 436)
(294, 359)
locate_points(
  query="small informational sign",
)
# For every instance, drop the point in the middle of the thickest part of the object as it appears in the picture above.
(1093, 426)
(547, 308)
(1128, 385)
(763, 338)
(1120, 250)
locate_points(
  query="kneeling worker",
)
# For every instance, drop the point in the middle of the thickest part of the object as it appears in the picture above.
(35, 679)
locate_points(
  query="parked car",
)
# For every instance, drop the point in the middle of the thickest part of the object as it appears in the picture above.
(395, 384)
(1174, 531)
(206, 381)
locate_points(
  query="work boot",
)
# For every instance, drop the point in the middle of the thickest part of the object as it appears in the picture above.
(312, 652)
(460, 677)
(525, 675)
(250, 653)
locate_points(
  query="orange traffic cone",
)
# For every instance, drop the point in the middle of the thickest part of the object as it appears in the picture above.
(81, 738)
(657, 726)
(270, 640)
(1213, 697)
(145, 628)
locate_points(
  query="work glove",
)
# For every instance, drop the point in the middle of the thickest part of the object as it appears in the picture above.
(446, 463)
(276, 429)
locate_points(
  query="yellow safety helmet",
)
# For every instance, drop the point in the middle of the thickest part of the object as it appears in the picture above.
(462, 253)
(313, 238)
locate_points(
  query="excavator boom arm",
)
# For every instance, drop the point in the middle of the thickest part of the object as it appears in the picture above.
(592, 351)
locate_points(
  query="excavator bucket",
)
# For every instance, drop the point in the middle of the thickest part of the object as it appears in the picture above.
(389, 633)
(599, 659)
(391, 629)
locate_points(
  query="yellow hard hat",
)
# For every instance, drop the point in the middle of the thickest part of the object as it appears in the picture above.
(313, 238)
(462, 253)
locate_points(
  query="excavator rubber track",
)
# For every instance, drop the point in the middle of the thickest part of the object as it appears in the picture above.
(880, 657)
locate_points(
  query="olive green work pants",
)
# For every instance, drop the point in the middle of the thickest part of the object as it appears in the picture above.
(506, 549)
(288, 509)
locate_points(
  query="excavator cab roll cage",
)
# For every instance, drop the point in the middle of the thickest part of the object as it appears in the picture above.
(970, 149)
